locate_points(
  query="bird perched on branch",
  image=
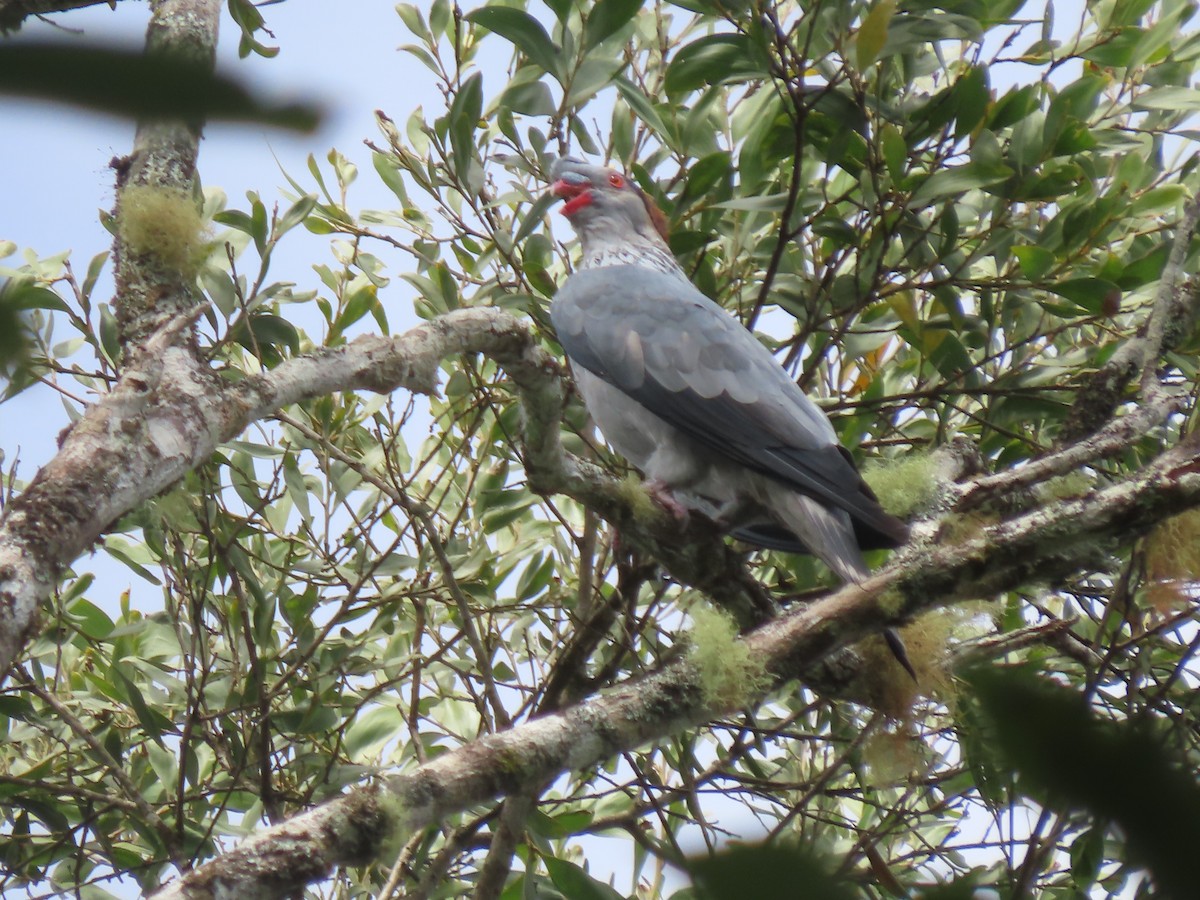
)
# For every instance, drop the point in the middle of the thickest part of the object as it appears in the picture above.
(693, 400)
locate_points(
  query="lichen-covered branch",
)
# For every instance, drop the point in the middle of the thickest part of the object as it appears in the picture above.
(159, 230)
(168, 413)
(680, 696)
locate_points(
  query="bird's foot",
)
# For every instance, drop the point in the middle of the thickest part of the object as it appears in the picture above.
(665, 497)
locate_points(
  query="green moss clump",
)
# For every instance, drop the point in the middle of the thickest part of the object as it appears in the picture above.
(729, 675)
(635, 494)
(887, 688)
(1063, 487)
(903, 485)
(165, 223)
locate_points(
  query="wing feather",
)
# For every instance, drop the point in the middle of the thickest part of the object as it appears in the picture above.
(682, 357)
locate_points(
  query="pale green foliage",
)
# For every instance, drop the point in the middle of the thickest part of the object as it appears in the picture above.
(729, 675)
(933, 238)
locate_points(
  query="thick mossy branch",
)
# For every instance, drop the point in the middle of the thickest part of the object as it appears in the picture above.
(155, 263)
(1004, 556)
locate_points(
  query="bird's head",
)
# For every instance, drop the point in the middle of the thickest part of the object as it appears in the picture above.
(603, 204)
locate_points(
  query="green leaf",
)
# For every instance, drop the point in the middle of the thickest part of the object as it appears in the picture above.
(1173, 99)
(1095, 295)
(411, 16)
(577, 884)
(297, 489)
(371, 730)
(295, 214)
(766, 872)
(560, 826)
(530, 99)
(1087, 855)
(110, 341)
(1122, 772)
(642, 107)
(465, 111)
(22, 294)
(951, 182)
(895, 151)
(874, 32)
(534, 215)
(524, 31)
(262, 330)
(93, 272)
(220, 289)
(1034, 261)
(714, 59)
(154, 722)
(359, 303)
(250, 20)
(139, 86)
(92, 621)
(606, 19)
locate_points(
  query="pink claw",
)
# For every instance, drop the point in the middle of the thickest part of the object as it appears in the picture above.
(664, 496)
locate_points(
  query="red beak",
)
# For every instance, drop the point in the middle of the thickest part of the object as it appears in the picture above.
(578, 194)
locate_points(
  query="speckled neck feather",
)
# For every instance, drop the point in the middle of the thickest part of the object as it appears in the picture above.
(597, 254)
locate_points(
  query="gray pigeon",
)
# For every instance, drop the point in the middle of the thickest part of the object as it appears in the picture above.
(692, 399)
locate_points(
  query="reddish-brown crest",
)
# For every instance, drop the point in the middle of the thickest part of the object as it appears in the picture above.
(657, 218)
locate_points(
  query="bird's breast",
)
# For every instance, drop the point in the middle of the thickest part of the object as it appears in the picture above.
(662, 452)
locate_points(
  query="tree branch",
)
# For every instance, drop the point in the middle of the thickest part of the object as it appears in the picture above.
(155, 278)
(1169, 320)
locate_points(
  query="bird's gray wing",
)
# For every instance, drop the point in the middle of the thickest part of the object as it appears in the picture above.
(677, 353)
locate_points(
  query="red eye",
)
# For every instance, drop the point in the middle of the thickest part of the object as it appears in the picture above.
(616, 180)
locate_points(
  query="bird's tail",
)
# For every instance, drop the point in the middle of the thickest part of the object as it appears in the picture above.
(829, 534)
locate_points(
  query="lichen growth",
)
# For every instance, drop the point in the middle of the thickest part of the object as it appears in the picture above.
(904, 485)
(369, 826)
(928, 641)
(890, 602)
(729, 676)
(396, 816)
(1062, 487)
(166, 223)
(634, 493)
(1172, 552)
(891, 755)
(956, 529)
